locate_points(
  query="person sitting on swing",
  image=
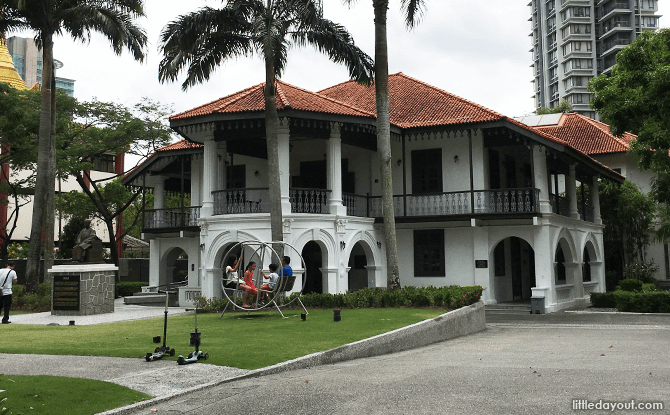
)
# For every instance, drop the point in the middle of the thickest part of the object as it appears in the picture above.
(248, 285)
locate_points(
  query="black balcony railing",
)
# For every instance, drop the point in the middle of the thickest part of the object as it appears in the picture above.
(181, 217)
(234, 201)
(310, 201)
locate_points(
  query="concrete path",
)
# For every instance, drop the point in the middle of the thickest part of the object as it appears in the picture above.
(519, 365)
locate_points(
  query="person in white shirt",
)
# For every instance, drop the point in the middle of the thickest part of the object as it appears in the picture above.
(7, 278)
(231, 279)
(273, 277)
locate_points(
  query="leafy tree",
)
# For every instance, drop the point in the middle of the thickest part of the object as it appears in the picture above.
(628, 216)
(203, 40)
(564, 106)
(19, 124)
(412, 10)
(101, 129)
(78, 18)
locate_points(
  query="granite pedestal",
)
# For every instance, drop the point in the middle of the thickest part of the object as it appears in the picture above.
(82, 289)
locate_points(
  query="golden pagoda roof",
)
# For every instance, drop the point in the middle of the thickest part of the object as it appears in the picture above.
(8, 73)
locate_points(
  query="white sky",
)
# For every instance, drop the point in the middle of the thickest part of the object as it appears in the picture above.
(477, 49)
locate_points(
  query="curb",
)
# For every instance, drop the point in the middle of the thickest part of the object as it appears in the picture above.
(456, 323)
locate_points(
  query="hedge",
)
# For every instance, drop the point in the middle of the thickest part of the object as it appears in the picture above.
(644, 302)
(603, 300)
(39, 302)
(126, 289)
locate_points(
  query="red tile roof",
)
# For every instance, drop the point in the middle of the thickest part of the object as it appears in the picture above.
(413, 103)
(587, 135)
(180, 145)
(288, 97)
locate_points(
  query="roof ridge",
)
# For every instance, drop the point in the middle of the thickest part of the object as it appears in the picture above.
(280, 93)
(345, 104)
(234, 97)
(443, 92)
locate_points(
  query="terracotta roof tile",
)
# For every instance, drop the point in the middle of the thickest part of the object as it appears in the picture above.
(288, 97)
(413, 103)
(587, 135)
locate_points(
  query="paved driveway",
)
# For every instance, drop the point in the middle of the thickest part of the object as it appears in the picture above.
(519, 365)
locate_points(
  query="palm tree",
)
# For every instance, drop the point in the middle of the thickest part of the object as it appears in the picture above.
(204, 39)
(78, 18)
(412, 10)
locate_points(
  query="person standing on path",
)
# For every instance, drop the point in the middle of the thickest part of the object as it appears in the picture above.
(7, 278)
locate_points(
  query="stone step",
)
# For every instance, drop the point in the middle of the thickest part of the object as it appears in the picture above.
(509, 308)
(152, 299)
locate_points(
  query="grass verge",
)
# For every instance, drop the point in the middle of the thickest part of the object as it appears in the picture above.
(53, 395)
(238, 340)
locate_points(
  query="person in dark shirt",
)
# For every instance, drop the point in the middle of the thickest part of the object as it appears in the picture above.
(287, 271)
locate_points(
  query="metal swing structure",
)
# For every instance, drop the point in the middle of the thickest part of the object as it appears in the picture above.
(263, 254)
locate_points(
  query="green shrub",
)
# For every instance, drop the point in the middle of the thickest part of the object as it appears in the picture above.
(643, 302)
(38, 302)
(603, 300)
(640, 271)
(649, 288)
(125, 289)
(630, 284)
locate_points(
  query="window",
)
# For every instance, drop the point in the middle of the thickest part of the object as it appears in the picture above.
(104, 163)
(577, 45)
(586, 267)
(427, 171)
(560, 266)
(236, 177)
(429, 253)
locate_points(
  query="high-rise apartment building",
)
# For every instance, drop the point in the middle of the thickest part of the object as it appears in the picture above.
(28, 63)
(575, 40)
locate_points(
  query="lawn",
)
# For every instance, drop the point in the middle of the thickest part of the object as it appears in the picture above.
(52, 395)
(239, 340)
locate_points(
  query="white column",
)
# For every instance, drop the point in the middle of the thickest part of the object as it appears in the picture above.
(284, 163)
(154, 262)
(196, 177)
(595, 201)
(334, 168)
(159, 193)
(571, 190)
(544, 266)
(209, 177)
(541, 177)
(482, 276)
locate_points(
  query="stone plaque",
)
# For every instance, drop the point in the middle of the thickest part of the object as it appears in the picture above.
(481, 263)
(66, 292)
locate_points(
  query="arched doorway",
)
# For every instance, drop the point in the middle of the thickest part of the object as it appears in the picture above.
(174, 267)
(514, 270)
(358, 273)
(313, 257)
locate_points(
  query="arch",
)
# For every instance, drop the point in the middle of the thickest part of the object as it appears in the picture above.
(511, 235)
(512, 269)
(567, 243)
(360, 273)
(325, 241)
(594, 247)
(224, 239)
(314, 256)
(168, 265)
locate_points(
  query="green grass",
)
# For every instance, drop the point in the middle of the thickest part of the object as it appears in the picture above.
(238, 340)
(52, 395)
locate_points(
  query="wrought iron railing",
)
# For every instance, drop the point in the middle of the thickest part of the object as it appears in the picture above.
(356, 205)
(586, 212)
(232, 201)
(507, 200)
(310, 200)
(180, 217)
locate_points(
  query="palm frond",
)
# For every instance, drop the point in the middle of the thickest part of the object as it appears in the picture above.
(413, 11)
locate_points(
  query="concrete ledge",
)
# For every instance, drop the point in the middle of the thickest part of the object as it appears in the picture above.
(457, 323)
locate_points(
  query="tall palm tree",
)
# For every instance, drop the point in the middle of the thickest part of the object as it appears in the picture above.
(204, 39)
(412, 10)
(78, 18)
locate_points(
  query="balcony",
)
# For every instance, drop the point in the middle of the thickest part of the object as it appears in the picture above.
(498, 201)
(257, 200)
(173, 218)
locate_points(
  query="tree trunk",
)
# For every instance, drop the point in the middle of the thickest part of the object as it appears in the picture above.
(42, 185)
(51, 197)
(271, 124)
(384, 143)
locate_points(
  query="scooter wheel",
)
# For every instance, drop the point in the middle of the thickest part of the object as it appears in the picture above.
(206, 355)
(148, 357)
(171, 352)
(180, 360)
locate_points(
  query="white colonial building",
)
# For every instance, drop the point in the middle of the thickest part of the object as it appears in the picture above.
(477, 195)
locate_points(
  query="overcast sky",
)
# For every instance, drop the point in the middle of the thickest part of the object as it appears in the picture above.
(477, 49)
